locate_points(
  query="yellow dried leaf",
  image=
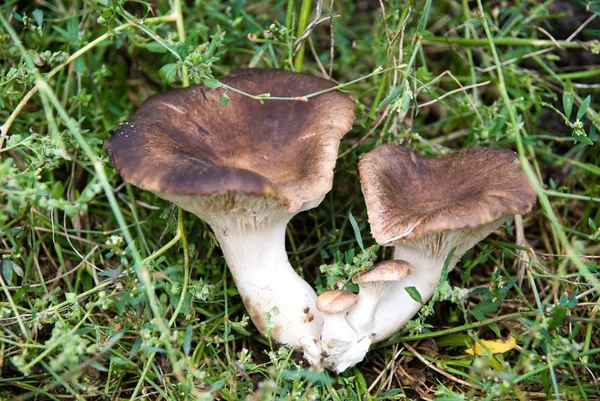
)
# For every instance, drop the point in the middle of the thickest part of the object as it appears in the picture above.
(494, 346)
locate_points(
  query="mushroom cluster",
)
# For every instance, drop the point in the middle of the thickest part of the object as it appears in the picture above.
(428, 210)
(247, 167)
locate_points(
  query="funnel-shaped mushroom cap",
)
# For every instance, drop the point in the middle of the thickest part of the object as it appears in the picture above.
(388, 270)
(331, 302)
(408, 196)
(183, 142)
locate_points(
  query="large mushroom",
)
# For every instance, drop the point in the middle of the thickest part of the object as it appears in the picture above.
(425, 208)
(246, 169)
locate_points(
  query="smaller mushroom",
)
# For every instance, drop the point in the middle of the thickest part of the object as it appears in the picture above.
(425, 209)
(374, 286)
(337, 335)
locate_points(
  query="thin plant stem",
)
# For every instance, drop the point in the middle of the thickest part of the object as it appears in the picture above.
(302, 24)
(177, 10)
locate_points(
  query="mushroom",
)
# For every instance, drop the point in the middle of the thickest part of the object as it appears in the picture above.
(374, 286)
(246, 169)
(425, 208)
(338, 337)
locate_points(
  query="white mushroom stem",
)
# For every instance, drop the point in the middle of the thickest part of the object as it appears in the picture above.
(252, 238)
(427, 255)
(398, 307)
(266, 280)
(369, 298)
(337, 334)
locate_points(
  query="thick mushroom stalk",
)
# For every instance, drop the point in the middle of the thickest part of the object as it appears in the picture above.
(245, 168)
(252, 238)
(427, 207)
(427, 255)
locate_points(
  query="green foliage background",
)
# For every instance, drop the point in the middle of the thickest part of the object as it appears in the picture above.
(110, 293)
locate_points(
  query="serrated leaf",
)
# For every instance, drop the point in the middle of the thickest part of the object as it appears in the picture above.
(584, 107)
(414, 294)
(356, 231)
(494, 346)
(168, 72)
(568, 99)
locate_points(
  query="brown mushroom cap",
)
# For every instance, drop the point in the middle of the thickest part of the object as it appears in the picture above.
(331, 302)
(183, 142)
(408, 196)
(387, 270)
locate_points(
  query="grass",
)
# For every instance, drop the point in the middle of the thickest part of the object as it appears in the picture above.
(109, 293)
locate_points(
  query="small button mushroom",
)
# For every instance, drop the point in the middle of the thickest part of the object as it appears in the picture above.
(425, 208)
(338, 338)
(245, 168)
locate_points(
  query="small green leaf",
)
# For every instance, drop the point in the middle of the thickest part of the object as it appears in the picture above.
(38, 15)
(17, 17)
(573, 301)
(182, 49)
(156, 47)
(584, 107)
(71, 297)
(7, 271)
(558, 317)
(224, 99)
(356, 231)
(568, 99)
(414, 294)
(187, 340)
(122, 302)
(168, 72)
(495, 329)
(79, 66)
(212, 83)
